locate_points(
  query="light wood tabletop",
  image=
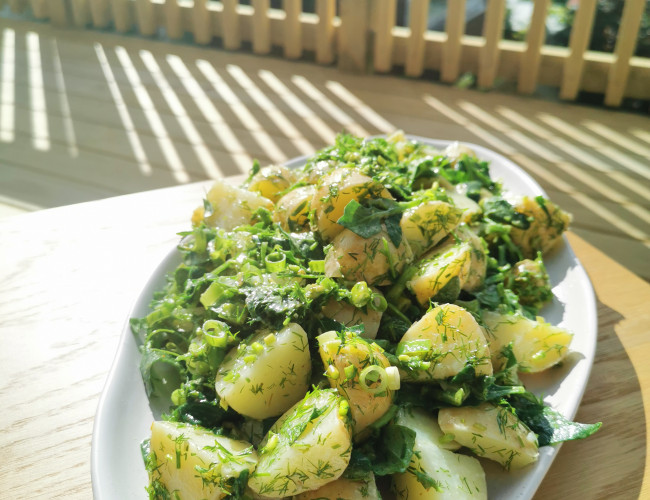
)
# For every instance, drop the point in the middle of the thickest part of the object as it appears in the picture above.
(69, 275)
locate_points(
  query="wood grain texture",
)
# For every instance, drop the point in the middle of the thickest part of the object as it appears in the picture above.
(530, 59)
(578, 43)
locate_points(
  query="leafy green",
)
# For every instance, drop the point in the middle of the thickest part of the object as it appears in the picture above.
(366, 220)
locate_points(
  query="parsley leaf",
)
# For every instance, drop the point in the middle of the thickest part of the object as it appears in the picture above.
(366, 220)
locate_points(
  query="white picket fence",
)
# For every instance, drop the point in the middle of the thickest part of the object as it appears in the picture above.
(361, 35)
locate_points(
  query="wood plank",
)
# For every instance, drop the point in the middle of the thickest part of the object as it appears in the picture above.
(418, 18)
(326, 10)
(122, 15)
(201, 22)
(261, 27)
(18, 6)
(59, 13)
(81, 13)
(530, 59)
(578, 43)
(292, 30)
(626, 41)
(230, 25)
(100, 12)
(39, 8)
(173, 20)
(353, 35)
(492, 31)
(455, 28)
(383, 41)
(145, 15)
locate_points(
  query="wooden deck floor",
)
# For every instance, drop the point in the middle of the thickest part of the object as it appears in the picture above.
(87, 115)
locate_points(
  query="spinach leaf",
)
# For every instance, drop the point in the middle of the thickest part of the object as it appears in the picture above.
(365, 220)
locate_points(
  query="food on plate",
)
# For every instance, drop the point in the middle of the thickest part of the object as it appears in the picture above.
(355, 324)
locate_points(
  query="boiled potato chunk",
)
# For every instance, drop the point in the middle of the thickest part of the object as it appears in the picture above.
(426, 426)
(546, 226)
(308, 447)
(194, 463)
(267, 374)
(334, 191)
(292, 210)
(349, 315)
(455, 151)
(456, 477)
(374, 260)
(536, 345)
(357, 369)
(492, 432)
(439, 267)
(231, 206)
(271, 181)
(344, 489)
(475, 276)
(442, 343)
(425, 225)
(471, 209)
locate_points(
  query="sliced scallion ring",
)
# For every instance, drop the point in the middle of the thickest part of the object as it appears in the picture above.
(373, 372)
(275, 262)
(392, 378)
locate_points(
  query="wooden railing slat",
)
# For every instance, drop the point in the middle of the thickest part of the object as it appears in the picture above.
(625, 44)
(292, 29)
(122, 15)
(353, 35)
(100, 13)
(261, 27)
(145, 15)
(383, 44)
(230, 25)
(492, 31)
(530, 59)
(578, 43)
(201, 22)
(326, 9)
(17, 6)
(173, 19)
(39, 8)
(58, 12)
(80, 13)
(455, 29)
(418, 17)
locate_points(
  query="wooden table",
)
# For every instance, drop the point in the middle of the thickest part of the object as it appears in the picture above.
(69, 275)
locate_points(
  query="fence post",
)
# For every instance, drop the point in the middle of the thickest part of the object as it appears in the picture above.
(122, 15)
(100, 13)
(59, 13)
(326, 9)
(173, 21)
(418, 17)
(201, 22)
(230, 25)
(80, 13)
(39, 8)
(146, 17)
(488, 64)
(578, 43)
(261, 27)
(628, 32)
(292, 29)
(353, 35)
(531, 58)
(382, 53)
(452, 49)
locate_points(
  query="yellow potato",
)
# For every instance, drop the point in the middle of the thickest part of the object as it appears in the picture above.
(439, 267)
(308, 447)
(231, 206)
(292, 210)
(457, 477)
(334, 191)
(471, 209)
(348, 315)
(374, 260)
(194, 463)
(267, 374)
(344, 489)
(346, 360)
(536, 345)
(492, 432)
(271, 181)
(456, 150)
(425, 225)
(475, 276)
(442, 343)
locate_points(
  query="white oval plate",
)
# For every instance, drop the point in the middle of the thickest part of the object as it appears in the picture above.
(124, 415)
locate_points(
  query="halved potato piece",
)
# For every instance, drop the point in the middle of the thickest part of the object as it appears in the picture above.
(195, 463)
(442, 343)
(357, 369)
(308, 447)
(349, 315)
(425, 225)
(492, 432)
(536, 345)
(267, 374)
(344, 489)
(292, 210)
(271, 181)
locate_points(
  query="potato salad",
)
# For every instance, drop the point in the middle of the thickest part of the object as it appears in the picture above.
(354, 328)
